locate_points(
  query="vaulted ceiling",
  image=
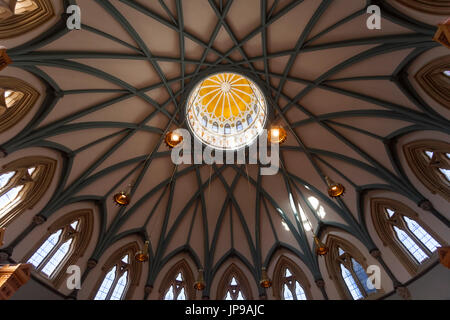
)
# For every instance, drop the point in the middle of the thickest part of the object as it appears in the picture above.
(115, 87)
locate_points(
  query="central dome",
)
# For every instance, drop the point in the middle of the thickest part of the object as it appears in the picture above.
(226, 111)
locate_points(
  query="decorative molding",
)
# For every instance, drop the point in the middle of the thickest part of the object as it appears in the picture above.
(444, 256)
(403, 292)
(22, 106)
(12, 277)
(33, 191)
(298, 275)
(434, 82)
(2, 235)
(429, 6)
(135, 268)
(22, 23)
(442, 35)
(5, 60)
(188, 277)
(421, 166)
(80, 241)
(234, 271)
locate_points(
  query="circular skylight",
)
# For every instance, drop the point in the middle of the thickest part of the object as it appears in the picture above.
(226, 111)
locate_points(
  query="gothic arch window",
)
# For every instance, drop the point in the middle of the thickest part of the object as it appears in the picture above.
(120, 275)
(289, 281)
(234, 285)
(400, 228)
(65, 242)
(16, 99)
(346, 266)
(430, 162)
(178, 284)
(227, 129)
(434, 80)
(430, 6)
(23, 182)
(20, 16)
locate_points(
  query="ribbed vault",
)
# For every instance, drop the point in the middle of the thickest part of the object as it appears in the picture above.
(115, 87)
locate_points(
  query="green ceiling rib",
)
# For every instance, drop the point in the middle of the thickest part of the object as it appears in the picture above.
(32, 56)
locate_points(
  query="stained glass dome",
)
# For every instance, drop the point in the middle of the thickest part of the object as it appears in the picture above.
(226, 111)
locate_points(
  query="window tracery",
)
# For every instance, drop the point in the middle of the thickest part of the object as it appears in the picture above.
(120, 275)
(401, 229)
(20, 16)
(22, 184)
(65, 241)
(430, 162)
(16, 100)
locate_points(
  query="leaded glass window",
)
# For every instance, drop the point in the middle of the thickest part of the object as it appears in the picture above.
(354, 276)
(177, 288)
(115, 282)
(50, 256)
(411, 235)
(233, 291)
(13, 185)
(291, 288)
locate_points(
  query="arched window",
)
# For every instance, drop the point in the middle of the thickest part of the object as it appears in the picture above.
(20, 16)
(16, 99)
(400, 228)
(177, 289)
(239, 126)
(215, 127)
(434, 80)
(205, 121)
(249, 119)
(430, 162)
(120, 275)
(234, 290)
(289, 282)
(234, 285)
(227, 129)
(22, 184)
(178, 284)
(346, 266)
(65, 241)
(430, 6)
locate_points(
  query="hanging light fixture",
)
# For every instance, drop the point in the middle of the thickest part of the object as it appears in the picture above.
(321, 248)
(335, 190)
(123, 198)
(265, 281)
(142, 255)
(200, 283)
(173, 139)
(277, 135)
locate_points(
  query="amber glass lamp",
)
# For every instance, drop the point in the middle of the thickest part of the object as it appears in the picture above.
(335, 190)
(199, 285)
(173, 139)
(277, 135)
(142, 255)
(123, 198)
(265, 281)
(321, 248)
